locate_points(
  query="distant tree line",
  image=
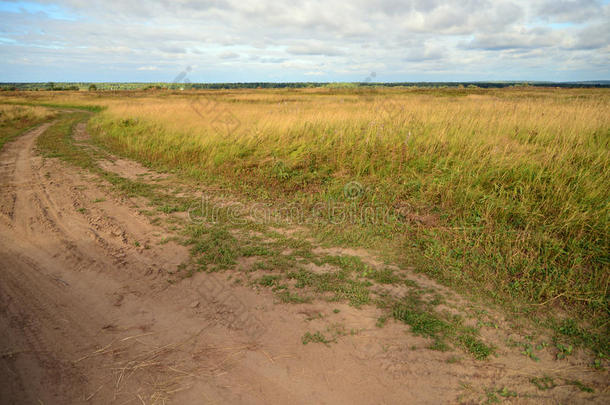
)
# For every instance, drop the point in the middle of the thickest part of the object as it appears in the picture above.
(267, 85)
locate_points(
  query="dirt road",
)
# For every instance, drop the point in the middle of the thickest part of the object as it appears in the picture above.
(87, 316)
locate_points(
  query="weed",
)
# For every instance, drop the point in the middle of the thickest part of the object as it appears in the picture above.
(543, 383)
(580, 385)
(316, 337)
(338, 283)
(528, 350)
(381, 321)
(506, 393)
(269, 280)
(492, 398)
(384, 276)
(563, 351)
(214, 248)
(424, 321)
(477, 348)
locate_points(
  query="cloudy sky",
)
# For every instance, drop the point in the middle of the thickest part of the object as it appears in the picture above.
(307, 40)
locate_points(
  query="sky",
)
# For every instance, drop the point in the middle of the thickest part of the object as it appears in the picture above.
(307, 40)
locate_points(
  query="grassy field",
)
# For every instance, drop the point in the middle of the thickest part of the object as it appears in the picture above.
(14, 119)
(502, 192)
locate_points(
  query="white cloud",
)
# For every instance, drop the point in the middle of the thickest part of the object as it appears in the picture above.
(228, 55)
(400, 39)
(316, 73)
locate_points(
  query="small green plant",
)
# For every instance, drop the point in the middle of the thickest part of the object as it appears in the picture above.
(543, 383)
(269, 280)
(492, 398)
(506, 393)
(563, 351)
(528, 350)
(476, 347)
(597, 363)
(316, 337)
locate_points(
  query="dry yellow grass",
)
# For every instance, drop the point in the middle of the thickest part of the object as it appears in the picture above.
(10, 112)
(16, 118)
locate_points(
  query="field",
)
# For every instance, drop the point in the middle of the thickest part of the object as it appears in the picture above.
(498, 195)
(506, 189)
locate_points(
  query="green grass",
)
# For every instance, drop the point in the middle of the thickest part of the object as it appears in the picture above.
(213, 247)
(57, 142)
(338, 283)
(316, 337)
(582, 387)
(568, 332)
(444, 329)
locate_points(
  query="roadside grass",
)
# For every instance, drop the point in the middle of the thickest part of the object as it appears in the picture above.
(57, 142)
(15, 120)
(502, 194)
(60, 105)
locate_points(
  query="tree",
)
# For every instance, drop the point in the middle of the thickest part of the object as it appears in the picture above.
(92, 87)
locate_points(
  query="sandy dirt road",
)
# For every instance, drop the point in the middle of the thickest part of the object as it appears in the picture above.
(86, 316)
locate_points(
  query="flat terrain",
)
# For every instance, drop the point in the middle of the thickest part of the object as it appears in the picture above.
(103, 300)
